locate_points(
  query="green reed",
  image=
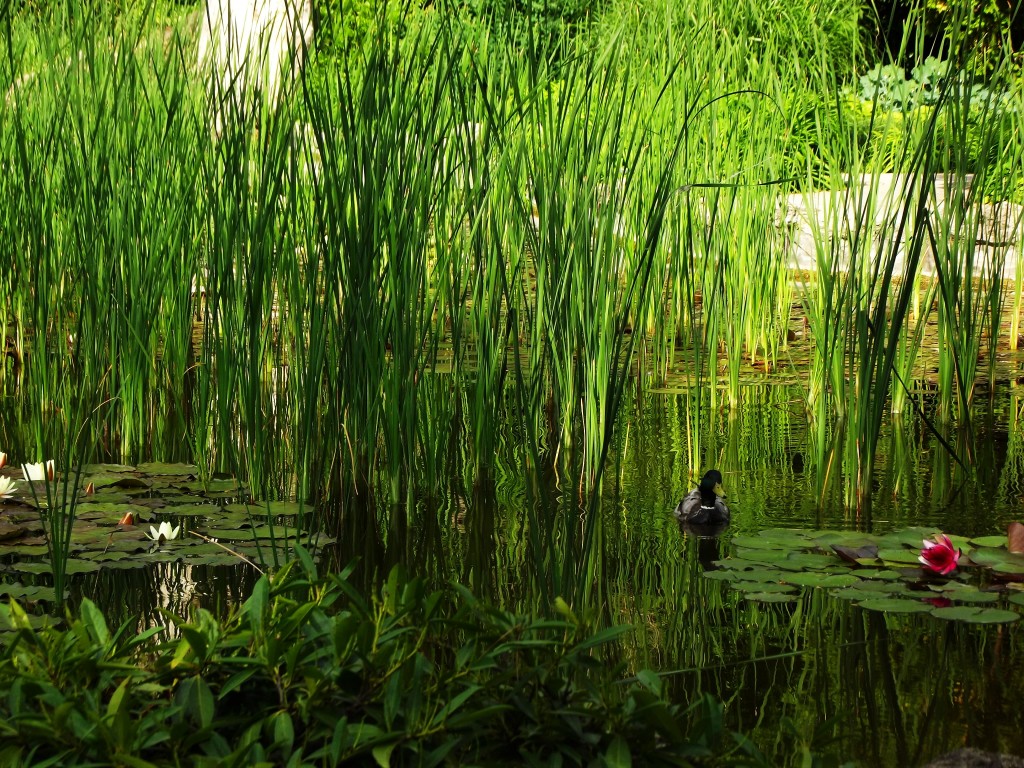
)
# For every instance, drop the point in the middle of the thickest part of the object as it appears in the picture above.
(306, 299)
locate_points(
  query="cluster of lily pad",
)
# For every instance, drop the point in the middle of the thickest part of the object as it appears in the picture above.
(879, 572)
(133, 517)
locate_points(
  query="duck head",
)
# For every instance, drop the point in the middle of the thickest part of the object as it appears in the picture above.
(711, 486)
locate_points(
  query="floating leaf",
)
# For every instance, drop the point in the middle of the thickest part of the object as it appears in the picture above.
(155, 469)
(215, 560)
(808, 560)
(109, 509)
(27, 550)
(899, 555)
(974, 596)
(127, 564)
(72, 567)
(895, 605)
(761, 586)
(907, 537)
(117, 481)
(212, 487)
(855, 593)
(206, 510)
(999, 560)
(261, 532)
(989, 541)
(974, 615)
(19, 592)
(773, 556)
(856, 554)
(105, 469)
(846, 539)
(285, 508)
(753, 542)
(877, 574)
(770, 597)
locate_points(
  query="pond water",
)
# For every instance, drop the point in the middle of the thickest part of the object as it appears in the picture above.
(821, 672)
(818, 673)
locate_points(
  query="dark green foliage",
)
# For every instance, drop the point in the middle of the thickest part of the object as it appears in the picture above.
(309, 671)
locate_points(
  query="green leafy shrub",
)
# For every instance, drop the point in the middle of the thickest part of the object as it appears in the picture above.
(308, 671)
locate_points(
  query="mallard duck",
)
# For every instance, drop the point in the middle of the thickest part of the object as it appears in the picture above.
(705, 504)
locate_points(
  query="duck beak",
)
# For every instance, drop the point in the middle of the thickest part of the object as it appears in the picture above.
(719, 490)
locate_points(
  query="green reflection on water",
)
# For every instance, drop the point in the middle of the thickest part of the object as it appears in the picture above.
(817, 673)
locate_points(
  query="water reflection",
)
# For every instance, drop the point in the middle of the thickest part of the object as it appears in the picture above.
(817, 673)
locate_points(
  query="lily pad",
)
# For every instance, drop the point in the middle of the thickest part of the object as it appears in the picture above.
(285, 508)
(26, 550)
(118, 510)
(215, 560)
(770, 597)
(20, 593)
(8, 622)
(211, 487)
(105, 469)
(156, 469)
(73, 567)
(761, 586)
(809, 560)
(877, 574)
(867, 552)
(823, 580)
(850, 539)
(762, 555)
(261, 532)
(856, 593)
(206, 510)
(127, 564)
(895, 605)
(749, 542)
(893, 555)
(116, 481)
(989, 541)
(999, 560)
(975, 615)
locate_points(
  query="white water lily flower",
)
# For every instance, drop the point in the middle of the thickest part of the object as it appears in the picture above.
(7, 487)
(164, 532)
(36, 472)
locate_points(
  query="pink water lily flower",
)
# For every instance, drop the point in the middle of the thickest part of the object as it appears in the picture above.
(938, 555)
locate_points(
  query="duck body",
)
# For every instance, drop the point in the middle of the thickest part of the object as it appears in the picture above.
(704, 505)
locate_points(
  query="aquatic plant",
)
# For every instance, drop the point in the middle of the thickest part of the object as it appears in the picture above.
(164, 532)
(330, 674)
(42, 471)
(938, 555)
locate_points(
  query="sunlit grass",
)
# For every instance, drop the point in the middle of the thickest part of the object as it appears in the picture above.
(439, 225)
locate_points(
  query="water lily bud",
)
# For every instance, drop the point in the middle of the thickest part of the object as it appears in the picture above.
(3, 459)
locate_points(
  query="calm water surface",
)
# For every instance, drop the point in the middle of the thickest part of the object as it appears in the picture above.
(819, 674)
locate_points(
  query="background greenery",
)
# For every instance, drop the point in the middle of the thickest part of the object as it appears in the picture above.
(432, 291)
